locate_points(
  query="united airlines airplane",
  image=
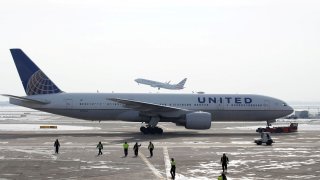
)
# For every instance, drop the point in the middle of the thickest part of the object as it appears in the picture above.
(159, 85)
(193, 111)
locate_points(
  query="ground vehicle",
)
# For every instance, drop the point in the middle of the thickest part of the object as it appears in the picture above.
(282, 129)
(265, 138)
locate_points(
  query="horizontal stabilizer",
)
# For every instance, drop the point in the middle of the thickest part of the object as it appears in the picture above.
(26, 99)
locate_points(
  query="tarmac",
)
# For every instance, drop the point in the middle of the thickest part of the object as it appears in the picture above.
(27, 152)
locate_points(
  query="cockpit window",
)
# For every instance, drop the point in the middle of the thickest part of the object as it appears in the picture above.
(284, 104)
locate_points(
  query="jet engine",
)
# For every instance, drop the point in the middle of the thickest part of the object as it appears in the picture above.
(198, 120)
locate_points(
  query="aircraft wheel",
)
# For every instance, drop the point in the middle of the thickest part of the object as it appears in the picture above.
(158, 130)
(144, 130)
(151, 130)
(147, 131)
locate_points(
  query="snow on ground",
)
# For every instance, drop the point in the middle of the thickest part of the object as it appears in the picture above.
(36, 127)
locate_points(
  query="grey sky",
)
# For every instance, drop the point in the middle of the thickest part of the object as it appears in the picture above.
(260, 47)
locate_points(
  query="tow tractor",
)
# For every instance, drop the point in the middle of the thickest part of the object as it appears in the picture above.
(281, 129)
(265, 138)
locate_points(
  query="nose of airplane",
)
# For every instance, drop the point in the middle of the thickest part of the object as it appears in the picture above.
(287, 110)
(290, 109)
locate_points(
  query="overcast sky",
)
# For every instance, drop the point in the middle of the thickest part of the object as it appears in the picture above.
(254, 47)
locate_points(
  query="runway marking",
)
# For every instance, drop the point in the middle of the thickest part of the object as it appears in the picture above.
(167, 161)
(151, 167)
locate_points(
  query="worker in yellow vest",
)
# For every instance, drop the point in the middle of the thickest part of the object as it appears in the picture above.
(173, 168)
(125, 148)
(222, 177)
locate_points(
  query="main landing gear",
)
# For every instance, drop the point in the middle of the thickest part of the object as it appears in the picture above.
(152, 128)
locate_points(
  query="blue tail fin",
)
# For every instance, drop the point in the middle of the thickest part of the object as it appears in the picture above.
(33, 79)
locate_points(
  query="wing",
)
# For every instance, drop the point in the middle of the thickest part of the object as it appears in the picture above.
(150, 108)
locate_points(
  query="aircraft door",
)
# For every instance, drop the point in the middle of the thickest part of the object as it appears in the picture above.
(69, 103)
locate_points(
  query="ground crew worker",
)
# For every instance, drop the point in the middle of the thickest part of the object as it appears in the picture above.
(125, 148)
(224, 161)
(222, 177)
(151, 147)
(57, 146)
(136, 148)
(173, 168)
(100, 147)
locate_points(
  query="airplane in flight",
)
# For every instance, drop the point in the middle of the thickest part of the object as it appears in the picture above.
(159, 85)
(193, 111)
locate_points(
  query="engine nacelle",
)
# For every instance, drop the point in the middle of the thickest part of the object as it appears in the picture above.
(198, 120)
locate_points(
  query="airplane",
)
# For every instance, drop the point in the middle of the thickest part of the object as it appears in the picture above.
(193, 111)
(159, 85)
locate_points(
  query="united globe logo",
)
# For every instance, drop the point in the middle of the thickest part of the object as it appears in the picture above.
(39, 83)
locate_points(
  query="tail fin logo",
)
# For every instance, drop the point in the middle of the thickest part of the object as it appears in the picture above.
(39, 83)
(34, 81)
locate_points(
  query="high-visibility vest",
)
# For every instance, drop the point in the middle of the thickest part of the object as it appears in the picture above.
(125, 146)
(220, 177)
(173, 163)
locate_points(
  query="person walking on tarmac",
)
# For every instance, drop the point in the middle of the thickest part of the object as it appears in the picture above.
(57, 146)
(125, 148)
(136, 149)
(151, 147)
(173, 168)
(100, 147)
(224, 161)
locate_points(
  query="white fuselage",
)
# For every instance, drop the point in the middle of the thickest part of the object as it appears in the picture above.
(98, 106)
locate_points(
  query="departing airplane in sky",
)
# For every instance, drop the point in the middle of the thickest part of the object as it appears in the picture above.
(159, 85)
(193, 111)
